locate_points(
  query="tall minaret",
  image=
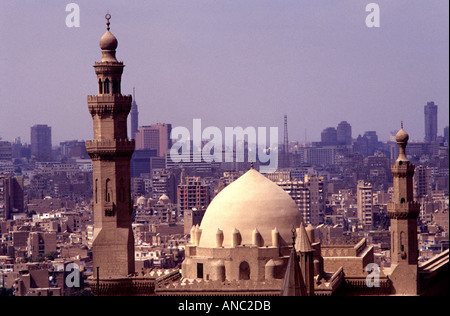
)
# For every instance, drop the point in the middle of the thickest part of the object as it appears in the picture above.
(403, 211)
(113, 245)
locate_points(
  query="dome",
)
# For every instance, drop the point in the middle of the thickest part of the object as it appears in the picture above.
(402, 136)
(108, 41)
(141, 200)
(251, 202)
(164, 199)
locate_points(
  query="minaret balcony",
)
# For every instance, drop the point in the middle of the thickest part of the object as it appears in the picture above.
(110, 149)
(109, 68)
(404, 210)
(109, 103)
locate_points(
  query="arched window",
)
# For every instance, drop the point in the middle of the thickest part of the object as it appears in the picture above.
(244, 271)
(108, 191)
(100, 86)
(96, 191)
(106, 86)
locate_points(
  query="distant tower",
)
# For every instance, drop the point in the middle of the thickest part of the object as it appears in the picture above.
(286, 137)
(41, 142)
(134, 115)
(364, 193)
(344, 133)
(430, 111)
(283, 156)
(111, 151)
(403, 211)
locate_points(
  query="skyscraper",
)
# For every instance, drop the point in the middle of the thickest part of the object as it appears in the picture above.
(111, 151)
(329, 136)
(446, 139)
(134, 115)
(156, 136)
(41, 142)
(344, 133)
(430, 111)
(365, 204)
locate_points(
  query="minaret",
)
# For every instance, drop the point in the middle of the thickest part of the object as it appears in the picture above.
(403, 211)
(306, 257)
(293, 282)
(113, 245)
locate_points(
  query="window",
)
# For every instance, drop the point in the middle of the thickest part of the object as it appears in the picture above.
(106, 86)
(200, 270)
(108, 191)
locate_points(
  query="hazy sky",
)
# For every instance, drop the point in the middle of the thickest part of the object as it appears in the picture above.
(229, 63)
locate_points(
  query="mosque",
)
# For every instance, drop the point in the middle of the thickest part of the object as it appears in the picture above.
(252, 239)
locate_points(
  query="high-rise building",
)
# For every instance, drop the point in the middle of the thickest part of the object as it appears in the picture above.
(422, 181)
(11, 196)
(430, 111)
(156, 136)
(329, 136)
(41, 142)
(5, 151)
(140, 162)
(111, 151)
(446, 139)
(308, 195)
(344, 133)
(134, 117)
(365, 204)
(164, 182)
(193, 193)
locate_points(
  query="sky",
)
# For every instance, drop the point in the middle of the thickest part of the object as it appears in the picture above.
(229, 63)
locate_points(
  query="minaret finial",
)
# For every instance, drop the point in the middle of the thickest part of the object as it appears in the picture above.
(251, 164)
(107, 17)
(402, 124)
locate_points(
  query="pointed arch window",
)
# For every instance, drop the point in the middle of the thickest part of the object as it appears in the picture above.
(100, 86)
(106, 86)
(96, 191)
(108, 191)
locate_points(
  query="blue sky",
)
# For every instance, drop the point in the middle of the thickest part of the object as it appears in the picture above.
(229, 63)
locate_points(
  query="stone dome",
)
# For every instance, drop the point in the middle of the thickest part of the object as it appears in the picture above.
(108, 41)
(164, 199)
(402, 136)
(141, 201)
(251, 202)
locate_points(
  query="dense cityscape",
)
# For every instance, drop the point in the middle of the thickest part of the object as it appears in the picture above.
(341, 184)
(137, 212)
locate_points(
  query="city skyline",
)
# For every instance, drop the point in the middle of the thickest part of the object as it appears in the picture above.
(318, 63)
